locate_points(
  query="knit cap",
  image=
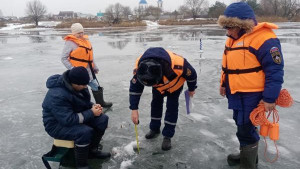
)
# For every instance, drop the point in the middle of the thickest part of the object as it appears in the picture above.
(76, 28)
(79, 75)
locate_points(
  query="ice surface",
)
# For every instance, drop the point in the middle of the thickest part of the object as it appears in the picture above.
(202, 139)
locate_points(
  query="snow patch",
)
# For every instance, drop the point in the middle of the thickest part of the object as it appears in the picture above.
(18, 26)
(125, 164)
(200, 117)
(8, 58)
(151, 24)
(129, 148)
(208, 133)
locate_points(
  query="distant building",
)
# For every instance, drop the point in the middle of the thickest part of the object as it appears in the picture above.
(143, 4)
(100, 15)
(67, 15)
(160, 4)
(86, 16)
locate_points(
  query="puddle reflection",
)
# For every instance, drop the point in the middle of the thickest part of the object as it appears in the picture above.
(119, 44)
(35, 37)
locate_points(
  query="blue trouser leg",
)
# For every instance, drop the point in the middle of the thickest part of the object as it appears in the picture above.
(156, 110)
(246, 132)
(94, 85)
(99, 123)
(82, 134)
(171, 113)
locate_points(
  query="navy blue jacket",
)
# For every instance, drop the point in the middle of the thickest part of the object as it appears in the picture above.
(63, 106)
(136, 88)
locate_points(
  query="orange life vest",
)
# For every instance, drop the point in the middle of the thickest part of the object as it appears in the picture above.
(83, 54)
(177, 63)
(244, 70)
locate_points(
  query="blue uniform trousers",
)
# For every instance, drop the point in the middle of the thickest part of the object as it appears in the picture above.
(82, 134)
(171, 115)
(244, 105)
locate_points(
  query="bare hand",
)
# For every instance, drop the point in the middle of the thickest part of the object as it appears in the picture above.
(191, 93)
(269, 107)
(97, 109)
(222, 91)
(135, 116)
(96, 71)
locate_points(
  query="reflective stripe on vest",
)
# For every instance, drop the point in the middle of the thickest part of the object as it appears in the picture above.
(244, 70)
(82, 55)
(177, 63)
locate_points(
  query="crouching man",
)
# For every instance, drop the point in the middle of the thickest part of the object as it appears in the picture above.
(68, 114)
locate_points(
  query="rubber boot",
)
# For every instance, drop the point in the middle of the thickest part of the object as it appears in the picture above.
(96, 147)
(152, 134)
(81, 157)
(235, 159)
(98, 95)
(248, 156)
(166, 144)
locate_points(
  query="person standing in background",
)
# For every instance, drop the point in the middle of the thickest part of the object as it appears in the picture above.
(78, 51)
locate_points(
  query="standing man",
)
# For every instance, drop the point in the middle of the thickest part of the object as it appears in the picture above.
(166, 72)
(252, 71)
(78, 51)
(68, 114)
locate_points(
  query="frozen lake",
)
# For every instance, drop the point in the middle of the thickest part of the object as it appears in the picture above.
(203, 139)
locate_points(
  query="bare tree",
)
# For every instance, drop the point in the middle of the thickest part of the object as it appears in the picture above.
(113, 13)
(289, 8)
(216, 10)
(126, 12)
(139, 12)
(184, 10)
(195, 7)
(35, 11)
(154, 11)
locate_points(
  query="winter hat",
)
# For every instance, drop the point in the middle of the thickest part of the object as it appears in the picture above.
(79, 75)
(76, 28)
(238, 14)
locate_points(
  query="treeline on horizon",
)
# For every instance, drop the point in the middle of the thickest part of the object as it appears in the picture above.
(119, 15)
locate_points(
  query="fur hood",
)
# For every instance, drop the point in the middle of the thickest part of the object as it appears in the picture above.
(246, 24)
(240, 15)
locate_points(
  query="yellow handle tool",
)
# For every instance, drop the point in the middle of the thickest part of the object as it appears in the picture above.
(137, 138)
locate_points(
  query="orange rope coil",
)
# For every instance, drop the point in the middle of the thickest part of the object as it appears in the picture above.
(258, 117)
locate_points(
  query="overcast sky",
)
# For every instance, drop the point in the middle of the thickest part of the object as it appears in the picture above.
(17, 7)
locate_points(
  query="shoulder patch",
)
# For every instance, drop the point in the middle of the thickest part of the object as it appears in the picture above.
(133, 80)
(188, 72)
(276, 56)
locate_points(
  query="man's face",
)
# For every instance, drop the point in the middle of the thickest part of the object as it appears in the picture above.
(233, 32)
(78, 87)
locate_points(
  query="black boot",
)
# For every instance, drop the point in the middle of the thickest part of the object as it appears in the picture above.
(248, 156)
(235, 159)
(166, 144)
(152, 134)
(98, 95)
(81, 157)
(96, 147)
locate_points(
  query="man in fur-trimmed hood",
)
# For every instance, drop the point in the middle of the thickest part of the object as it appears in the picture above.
(252, 72)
